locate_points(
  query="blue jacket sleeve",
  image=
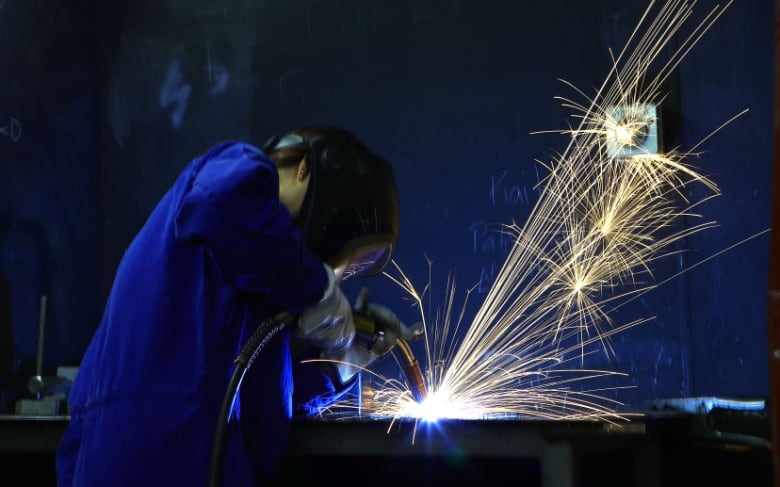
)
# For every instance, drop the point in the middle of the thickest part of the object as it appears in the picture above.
(232, 207)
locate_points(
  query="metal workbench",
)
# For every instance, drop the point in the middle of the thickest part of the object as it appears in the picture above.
(659, 448)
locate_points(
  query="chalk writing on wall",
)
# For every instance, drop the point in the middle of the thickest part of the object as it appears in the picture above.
(175, 93)
(493, 240)
(219, 77)
(12, 129)
(510, 195)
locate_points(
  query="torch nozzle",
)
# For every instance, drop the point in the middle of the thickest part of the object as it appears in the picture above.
(412, 371)
(368, 327)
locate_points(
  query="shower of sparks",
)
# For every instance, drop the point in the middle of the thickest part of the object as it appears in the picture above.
(607, 210)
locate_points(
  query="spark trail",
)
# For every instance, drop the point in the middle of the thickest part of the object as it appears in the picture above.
(608, 209)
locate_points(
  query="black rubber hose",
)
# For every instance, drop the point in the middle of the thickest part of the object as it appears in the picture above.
(267, 330)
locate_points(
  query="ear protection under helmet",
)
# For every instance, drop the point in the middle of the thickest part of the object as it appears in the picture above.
(349, 216)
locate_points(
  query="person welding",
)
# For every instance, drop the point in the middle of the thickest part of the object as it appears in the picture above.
(244, 234)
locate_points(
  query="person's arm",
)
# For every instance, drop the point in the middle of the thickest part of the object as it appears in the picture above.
(233, 208)
(376, 336)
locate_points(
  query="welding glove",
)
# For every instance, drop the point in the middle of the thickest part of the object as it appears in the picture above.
(378, 331)
(328, 325)
(381, 325)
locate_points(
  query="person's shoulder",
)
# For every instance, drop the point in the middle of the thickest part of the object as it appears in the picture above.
(235, 149)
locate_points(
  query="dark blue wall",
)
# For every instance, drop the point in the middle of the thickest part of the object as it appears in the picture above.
(117, 101)
(49, 189)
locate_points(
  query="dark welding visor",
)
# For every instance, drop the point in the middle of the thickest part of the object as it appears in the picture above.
(349, 216)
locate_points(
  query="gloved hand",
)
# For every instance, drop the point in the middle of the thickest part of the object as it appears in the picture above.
(387, 328)
(378, 331)
(328, 325)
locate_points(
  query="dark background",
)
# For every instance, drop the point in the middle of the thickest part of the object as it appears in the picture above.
(102, 103)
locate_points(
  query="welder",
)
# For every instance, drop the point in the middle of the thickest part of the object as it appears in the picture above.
(244, 234)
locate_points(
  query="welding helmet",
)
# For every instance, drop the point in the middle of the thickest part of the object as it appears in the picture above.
(349, 215)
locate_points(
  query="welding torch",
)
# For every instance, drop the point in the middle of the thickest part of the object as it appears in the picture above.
(412, 371)
(383, 331)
